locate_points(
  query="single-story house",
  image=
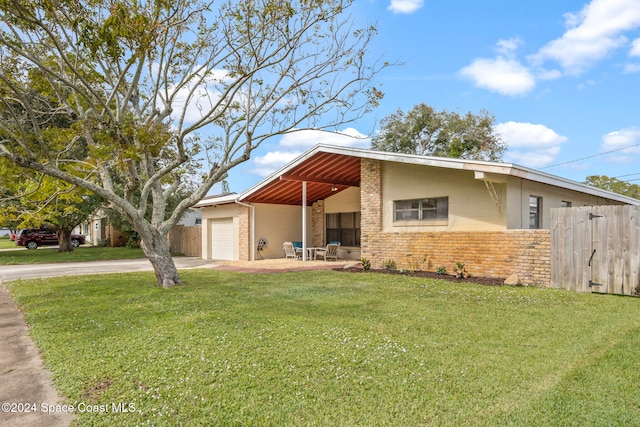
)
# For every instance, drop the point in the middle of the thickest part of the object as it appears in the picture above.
(420, 210)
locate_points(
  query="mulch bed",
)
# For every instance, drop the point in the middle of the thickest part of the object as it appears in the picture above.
(487, 281)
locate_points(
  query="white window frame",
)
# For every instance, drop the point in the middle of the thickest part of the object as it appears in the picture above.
(418, 207)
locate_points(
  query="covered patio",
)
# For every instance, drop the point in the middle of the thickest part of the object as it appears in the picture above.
(305, 202)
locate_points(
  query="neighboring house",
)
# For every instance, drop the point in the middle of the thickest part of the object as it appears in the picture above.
(389, 206)
(191, 218)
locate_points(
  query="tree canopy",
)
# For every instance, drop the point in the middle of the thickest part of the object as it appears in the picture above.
(614, 185)
(30, 199)
(167, 95)
(428, 132)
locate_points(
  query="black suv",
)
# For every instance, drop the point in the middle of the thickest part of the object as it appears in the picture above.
(31, 238)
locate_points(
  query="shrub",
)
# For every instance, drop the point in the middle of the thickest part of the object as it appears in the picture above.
(441, 270)
(460, 271)
(411, 265)
(389, 264)
(366, 264)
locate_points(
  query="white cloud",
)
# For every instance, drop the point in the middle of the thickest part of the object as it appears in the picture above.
(293, 144)
(618, 140)
(502, 75)
(592, 34)
(272, 161)
(631, 68)
(507, 47)
(532, 145)
(405, 6)
(532, 159)
(635, 48)
(308, 138)
(201, 98)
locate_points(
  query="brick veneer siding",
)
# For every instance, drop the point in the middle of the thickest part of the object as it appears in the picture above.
(317, 223)
(526, 253)
(370, 204)
(244, 235)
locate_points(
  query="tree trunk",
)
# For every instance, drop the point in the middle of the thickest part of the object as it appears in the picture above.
(64, 240)
(156, 248)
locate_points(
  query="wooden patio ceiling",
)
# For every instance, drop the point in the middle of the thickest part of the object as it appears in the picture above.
(321, 172)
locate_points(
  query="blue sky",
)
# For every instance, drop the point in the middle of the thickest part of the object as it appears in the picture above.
(561, 77)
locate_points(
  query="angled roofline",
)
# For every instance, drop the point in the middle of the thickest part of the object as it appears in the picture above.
(506, 169)
(219, 199)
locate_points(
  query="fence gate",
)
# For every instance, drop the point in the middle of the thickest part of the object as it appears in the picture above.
(596, 249)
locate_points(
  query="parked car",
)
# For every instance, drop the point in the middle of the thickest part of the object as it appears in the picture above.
(31, 238)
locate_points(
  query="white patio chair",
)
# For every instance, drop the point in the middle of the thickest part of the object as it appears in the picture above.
(330, 252)
(289, 251)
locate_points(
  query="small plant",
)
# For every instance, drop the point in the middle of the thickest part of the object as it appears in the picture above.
(411, 265)
(461, 271)
(366, 264)
(442, 270)
(389, 264)
(102, 243)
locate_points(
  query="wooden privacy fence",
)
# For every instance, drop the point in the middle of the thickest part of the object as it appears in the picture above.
(596, 249)
(186, 240)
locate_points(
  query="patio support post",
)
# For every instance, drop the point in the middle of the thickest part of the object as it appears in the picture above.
(304, 220)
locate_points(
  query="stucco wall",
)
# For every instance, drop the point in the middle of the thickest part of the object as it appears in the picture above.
(278, 224)
(518, 194)
(470, 204)
(347, 200)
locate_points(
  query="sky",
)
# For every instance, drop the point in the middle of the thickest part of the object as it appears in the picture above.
(562, 79)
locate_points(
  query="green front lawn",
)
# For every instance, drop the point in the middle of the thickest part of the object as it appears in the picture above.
(46, 254)
(333, 348)
(6, 243)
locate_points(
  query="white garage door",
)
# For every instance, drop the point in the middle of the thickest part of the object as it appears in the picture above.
(222, 238)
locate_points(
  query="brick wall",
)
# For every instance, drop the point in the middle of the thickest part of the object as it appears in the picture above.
(370, 203)
(317, 224)
(244, 241)
(526, 253)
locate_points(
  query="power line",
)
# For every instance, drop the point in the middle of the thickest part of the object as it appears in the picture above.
(629, 174)
(591, 157)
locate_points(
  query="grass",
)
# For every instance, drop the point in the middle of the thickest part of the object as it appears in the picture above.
(83, 253)
(333, 348)
(6, 243)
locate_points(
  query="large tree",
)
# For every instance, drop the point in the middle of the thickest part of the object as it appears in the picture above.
(428, 132)
(157, 89)
(615, 185)
(30, 199)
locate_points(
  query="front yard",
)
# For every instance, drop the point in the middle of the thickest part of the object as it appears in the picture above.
(83, 253)
(334, 348)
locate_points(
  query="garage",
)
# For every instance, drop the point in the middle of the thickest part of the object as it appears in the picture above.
(222, 241)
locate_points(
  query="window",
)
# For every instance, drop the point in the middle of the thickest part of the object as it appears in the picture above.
(343, 227)
(566, 204)
(535, 212)
(421, 209)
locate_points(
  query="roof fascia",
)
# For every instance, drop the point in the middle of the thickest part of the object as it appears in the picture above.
(444, 162)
